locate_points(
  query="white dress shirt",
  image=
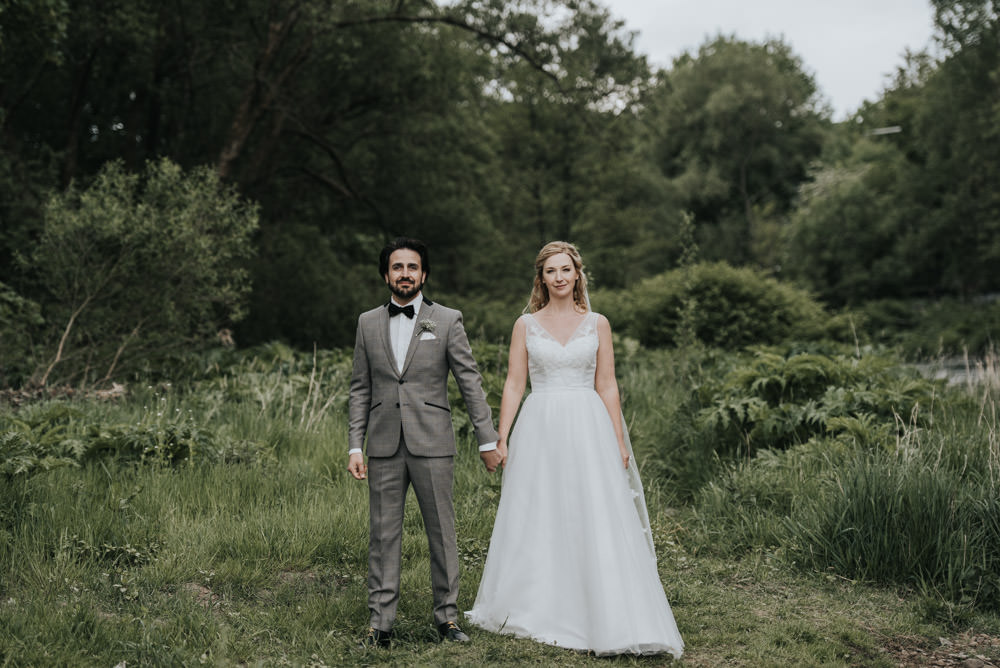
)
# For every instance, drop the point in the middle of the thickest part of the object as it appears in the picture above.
(400, 334)
(401, 330)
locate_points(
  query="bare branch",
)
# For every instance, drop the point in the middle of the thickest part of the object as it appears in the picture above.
(516, 48)
(62, 341)
(121, 349)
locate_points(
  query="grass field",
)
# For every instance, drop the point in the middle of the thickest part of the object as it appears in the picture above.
(216, 524)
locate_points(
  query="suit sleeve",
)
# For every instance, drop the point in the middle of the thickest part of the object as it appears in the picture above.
(470, 382)
(361, 393)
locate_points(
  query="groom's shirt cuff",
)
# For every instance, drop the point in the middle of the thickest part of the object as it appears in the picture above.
(486, 447)
(353, 450)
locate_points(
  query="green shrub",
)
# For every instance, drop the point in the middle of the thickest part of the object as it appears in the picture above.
(720, 305)
(38, 439)
(20, 318)
(924, 329)
(779, 399)
(134, 266)
(657, 401)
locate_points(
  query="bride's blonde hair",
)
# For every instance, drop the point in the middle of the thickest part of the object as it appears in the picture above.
(540, 292)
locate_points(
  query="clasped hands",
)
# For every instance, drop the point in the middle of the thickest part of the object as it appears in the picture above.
(491, 460)
(494, 458)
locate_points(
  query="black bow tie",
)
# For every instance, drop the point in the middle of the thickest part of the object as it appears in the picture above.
(405, 310)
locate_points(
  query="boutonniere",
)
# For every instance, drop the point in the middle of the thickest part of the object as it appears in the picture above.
(427, 326)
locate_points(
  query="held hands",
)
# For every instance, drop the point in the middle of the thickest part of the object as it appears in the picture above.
(356, 466)
(494, 458)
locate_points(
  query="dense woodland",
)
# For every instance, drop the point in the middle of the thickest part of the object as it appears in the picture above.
(173, 170)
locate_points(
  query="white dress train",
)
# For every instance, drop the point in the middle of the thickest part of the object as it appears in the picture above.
(571, 560)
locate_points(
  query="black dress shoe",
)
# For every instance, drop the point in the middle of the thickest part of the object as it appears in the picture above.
(450, 631)
(376, 638)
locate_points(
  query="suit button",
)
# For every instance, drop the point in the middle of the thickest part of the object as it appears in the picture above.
(397, 404)
(401, 381)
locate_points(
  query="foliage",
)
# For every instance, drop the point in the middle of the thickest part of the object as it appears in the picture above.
(38, 440)
(920, 511)
(266, 563)
(863, 259)
(134, 265)
(779, 399)
(495, 126)
(909, 212)
(20, 318)
(902, 517)
(927, 330)
(737, 125)
(726, 307)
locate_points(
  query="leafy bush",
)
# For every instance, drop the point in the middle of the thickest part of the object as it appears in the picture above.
(138, 264)
(19, 455)
(19, 320)
(721, 306)
(924, 329)
(41, 437)
(776, 400)
(670, 447)
(38, 439)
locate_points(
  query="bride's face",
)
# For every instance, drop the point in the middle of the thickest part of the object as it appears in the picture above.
(559, 274)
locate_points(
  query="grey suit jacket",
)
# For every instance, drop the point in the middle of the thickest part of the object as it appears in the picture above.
(384, 401)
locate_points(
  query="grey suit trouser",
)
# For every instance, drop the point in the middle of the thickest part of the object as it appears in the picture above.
(388, 480)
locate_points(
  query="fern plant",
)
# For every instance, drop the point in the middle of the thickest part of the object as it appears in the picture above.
(777, 400)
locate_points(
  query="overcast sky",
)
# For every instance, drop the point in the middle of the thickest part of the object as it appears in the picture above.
(849, 46)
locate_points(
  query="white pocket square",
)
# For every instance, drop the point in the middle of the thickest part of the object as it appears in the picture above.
(426, 336)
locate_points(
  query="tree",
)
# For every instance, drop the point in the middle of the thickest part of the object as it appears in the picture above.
(926, 212)
(138, 265)
(348, 123)
(843, 238)
(737, 126)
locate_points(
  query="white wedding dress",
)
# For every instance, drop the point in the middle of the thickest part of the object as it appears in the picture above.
(571, 560)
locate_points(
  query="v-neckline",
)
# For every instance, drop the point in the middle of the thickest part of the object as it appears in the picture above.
(553, 337)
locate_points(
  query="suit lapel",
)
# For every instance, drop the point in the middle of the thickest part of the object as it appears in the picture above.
(426, 313)
(383, 332)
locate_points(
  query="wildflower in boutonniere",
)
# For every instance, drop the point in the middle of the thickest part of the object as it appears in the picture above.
(428, 326)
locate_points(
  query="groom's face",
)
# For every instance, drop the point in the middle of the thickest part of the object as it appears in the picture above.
(406, 277)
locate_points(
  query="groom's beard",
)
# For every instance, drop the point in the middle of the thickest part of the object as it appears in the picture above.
(406, 290)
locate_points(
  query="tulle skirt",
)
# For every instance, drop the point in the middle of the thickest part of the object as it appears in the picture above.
(570, 562)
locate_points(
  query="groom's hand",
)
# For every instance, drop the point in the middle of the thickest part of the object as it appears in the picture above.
(356, 466)
(491, 459)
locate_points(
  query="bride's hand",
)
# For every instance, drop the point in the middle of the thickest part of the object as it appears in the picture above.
(625, 456)
(502, 449)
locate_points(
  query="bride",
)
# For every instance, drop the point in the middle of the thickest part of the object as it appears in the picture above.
(571, 560)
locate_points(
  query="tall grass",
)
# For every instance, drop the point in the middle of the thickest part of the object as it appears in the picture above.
(922, 512)
(249, 546)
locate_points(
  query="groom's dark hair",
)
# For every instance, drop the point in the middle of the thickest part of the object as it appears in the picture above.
(408, 243)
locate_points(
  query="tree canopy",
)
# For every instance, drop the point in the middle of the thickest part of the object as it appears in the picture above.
(486, 128)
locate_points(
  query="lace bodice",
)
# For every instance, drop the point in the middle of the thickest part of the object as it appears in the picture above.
(552, 365)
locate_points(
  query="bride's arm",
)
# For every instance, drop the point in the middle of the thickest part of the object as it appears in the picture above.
(513, 387)
(606, 385)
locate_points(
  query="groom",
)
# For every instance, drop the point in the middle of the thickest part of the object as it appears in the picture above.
(399, 398)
